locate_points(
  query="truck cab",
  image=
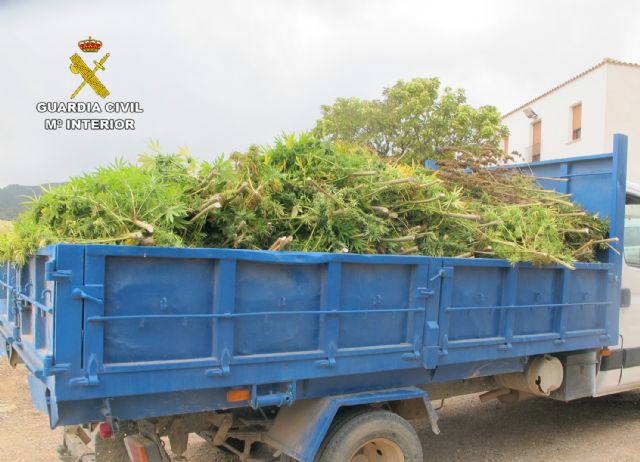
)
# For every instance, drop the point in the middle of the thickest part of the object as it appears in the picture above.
(620, 366)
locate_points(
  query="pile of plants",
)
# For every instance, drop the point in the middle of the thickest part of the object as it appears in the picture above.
(305, 194)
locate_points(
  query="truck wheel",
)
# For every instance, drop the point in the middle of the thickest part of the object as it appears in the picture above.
(371, 435)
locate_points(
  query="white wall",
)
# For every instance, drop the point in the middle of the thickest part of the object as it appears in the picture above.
(623, 113)
(554, 111)
(610, 97)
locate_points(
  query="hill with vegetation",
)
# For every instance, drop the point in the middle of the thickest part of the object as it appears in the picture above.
(14, 198)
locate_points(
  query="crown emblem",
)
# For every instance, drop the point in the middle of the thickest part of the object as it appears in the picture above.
(90, 45)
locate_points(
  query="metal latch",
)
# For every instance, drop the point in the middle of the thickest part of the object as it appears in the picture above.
(425, 292)
(445, 272)
(273, 399)
(80, 294)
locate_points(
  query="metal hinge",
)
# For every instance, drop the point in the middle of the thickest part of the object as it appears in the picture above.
(331, 359)
(415, 354)
(444, 346)
(91, 379)
(48, 369)
(224, 368)
(51, 273)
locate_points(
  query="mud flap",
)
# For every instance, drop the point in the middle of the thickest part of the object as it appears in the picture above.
(13, 357)
(42, 400)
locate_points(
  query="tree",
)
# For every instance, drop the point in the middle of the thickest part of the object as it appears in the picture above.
(414, 121)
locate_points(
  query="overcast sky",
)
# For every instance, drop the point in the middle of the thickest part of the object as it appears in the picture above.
(220, 76)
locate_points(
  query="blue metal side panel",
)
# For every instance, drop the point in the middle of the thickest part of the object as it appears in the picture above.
(66, 273)
(580, 177)
(617, 201)
(27, 299)
(219, 318)
(6, 311)
(213, 319)
(598, 183)
(492, 310)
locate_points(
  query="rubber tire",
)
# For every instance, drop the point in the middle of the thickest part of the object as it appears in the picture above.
(111, 450)
(354, 428)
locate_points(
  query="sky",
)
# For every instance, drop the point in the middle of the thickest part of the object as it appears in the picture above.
(219, 76)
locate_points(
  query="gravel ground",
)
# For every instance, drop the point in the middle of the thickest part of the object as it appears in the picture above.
(594, 430)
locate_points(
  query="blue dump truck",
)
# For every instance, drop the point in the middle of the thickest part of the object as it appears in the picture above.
(304, 356)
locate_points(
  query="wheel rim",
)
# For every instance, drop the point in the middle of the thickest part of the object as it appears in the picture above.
(378, 450)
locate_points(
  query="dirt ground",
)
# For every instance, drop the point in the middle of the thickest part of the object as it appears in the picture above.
(595, 430)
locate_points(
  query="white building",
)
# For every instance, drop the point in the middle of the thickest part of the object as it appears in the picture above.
(580, 116)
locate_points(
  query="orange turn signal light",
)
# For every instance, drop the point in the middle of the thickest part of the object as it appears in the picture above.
(233, 396)
(605, 352)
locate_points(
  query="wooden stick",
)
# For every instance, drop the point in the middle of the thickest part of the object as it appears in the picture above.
(244, 186)
(558, 201)
(215, 205)
(408, 179)
(550, 178)
(141, 224)
(212, 199)
(399, 239)
(281, 242)
(380, 209)
(585, 247)
(573, 214)
(535, 252)
(613, 248)
(466, 216)
(386, 184)
(137, 235)
(369, 173)
(490, 223)
(206, 181)
(424, 201)
(410, 250)
(577, 231)
(530, 204)
(319, 188)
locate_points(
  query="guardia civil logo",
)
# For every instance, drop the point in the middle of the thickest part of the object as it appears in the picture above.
(89, 77)
(89, 83)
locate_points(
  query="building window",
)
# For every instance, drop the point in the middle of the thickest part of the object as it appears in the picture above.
(576, 122)
(536, 144)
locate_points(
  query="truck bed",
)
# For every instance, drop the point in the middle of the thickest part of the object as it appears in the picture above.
(138, 332)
